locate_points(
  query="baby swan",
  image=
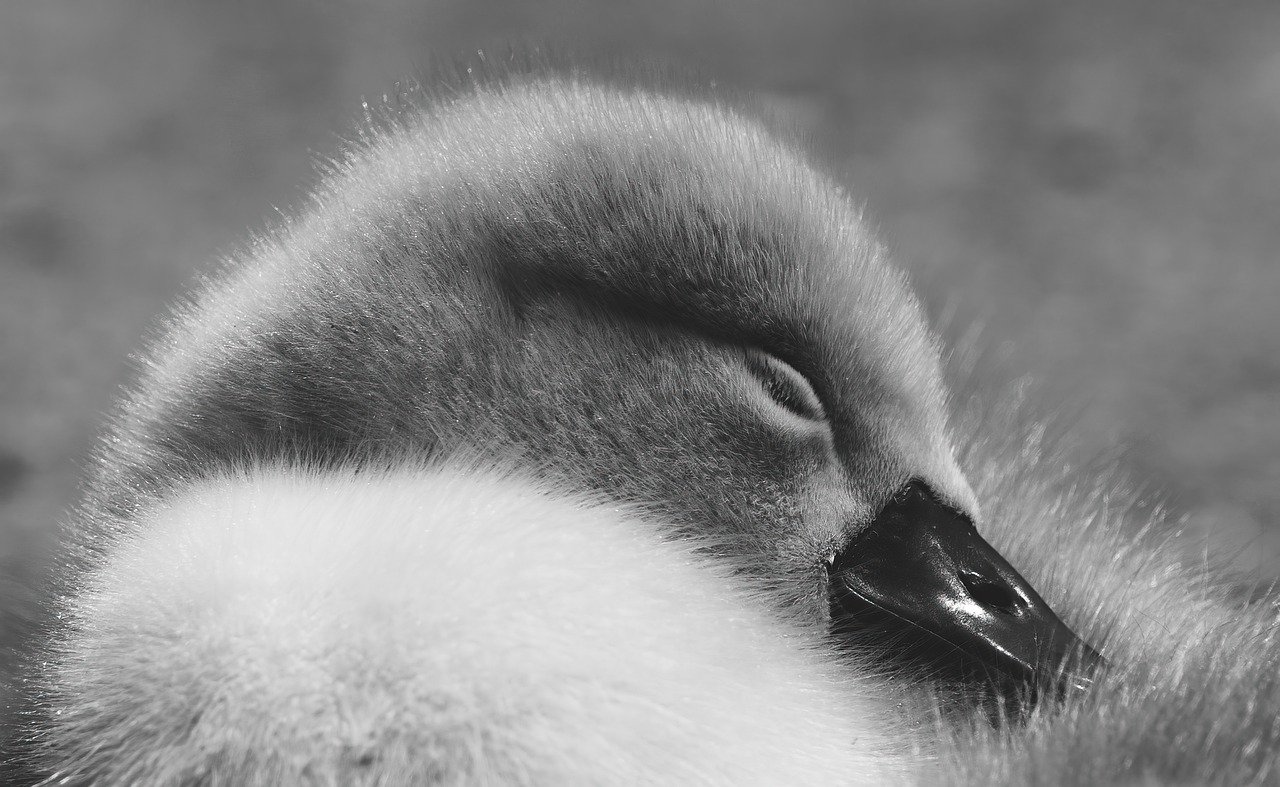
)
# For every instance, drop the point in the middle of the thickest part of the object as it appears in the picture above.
(645, 300)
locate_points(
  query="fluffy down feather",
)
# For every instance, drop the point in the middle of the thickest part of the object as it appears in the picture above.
(439, 626)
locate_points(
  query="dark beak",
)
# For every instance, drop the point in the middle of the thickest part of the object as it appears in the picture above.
(941, 597)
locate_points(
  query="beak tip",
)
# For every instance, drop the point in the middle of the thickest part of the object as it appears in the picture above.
(1077, 671)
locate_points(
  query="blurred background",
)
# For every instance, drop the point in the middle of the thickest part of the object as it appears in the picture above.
(1096, 184)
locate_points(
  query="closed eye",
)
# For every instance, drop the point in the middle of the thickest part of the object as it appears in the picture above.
(786, 387)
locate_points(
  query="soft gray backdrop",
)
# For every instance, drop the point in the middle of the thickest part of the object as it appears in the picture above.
(1096, 183)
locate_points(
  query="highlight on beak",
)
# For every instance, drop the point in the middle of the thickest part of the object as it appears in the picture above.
(923, 579)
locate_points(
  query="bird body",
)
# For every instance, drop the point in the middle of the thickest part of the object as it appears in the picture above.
(547, 446)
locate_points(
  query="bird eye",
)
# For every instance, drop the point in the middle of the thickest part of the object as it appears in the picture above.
(787, 387)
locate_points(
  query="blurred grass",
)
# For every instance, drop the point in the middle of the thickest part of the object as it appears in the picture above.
(1094, 182)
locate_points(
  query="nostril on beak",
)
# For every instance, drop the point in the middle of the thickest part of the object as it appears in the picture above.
(992, 593)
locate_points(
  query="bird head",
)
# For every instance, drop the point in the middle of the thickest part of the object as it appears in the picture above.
(655, 299)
